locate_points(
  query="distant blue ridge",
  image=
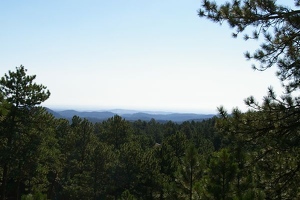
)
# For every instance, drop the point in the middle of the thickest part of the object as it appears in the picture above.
(144, 116)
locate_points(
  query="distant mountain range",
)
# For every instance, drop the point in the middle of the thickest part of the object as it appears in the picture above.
(130, 115)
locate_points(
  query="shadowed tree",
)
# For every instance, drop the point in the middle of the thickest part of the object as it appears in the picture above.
(104, 161)
(190, 172)
(270, 130)
(20, 95)
(79, 163)
(221, 173)
(115, 131)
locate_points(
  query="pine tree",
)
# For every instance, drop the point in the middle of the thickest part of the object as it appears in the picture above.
(277, 24)
(79, 164)
(190, 172)
(221, 173)
(104, 161)
(115, 131)
(270, 130)
(271, 150)
(20, 98)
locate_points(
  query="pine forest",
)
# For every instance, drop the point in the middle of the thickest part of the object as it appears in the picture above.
(235, 155)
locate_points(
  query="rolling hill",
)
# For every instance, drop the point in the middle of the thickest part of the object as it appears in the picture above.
(97, 116)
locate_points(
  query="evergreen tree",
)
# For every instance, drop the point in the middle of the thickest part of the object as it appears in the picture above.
(271, 154)
(78, 180)
(104, 161)
(20, 97)
(190, 172)
(221, 173)
(269, 130)
(278, 24)
(115, 131)
(149, 177)
(155, 130)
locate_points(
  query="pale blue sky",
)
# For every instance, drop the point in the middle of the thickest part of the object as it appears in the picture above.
(134, 54)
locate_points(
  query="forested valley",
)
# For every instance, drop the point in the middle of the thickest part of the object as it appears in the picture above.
(226, 157)
(238, 155)
(47, 158)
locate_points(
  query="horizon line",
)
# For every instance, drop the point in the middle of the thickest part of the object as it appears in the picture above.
(136, 110)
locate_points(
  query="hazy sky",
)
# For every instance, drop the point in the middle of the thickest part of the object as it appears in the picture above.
(133, 54)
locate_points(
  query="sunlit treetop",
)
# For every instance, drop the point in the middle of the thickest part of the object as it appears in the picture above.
(18, 89)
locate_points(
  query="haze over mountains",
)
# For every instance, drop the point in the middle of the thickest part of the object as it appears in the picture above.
(130, 115)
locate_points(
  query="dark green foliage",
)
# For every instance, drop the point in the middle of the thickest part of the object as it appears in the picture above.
(116, 159)
(19, 89)
(149, 177)
(265, 150)
(264, 141)
(21, 133)
(252, 155)
(277, 24)
(190, 173)
(78, 171)
(221, 173)
(115, 131)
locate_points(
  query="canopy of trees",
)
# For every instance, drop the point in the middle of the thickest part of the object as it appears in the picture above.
(47, 158)
(250, 155)
(267, 137)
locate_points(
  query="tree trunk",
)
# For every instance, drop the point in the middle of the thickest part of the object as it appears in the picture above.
(4, 181)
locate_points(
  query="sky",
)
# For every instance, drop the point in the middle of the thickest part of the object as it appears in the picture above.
(134, 54)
